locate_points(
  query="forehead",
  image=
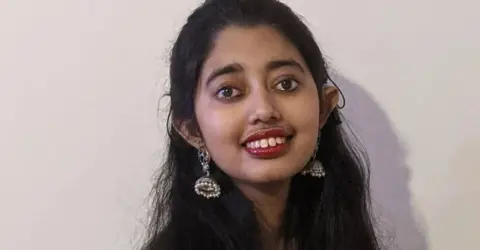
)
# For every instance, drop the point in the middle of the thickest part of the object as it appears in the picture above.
(251, 47)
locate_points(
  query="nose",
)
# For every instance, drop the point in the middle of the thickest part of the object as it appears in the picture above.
(263, 108)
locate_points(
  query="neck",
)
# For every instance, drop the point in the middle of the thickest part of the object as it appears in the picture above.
(269, 201)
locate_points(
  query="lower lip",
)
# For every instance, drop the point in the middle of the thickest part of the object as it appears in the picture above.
(269, 152)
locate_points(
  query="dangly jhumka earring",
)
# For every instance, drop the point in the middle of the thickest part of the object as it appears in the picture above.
(206, 186)
(314, 167)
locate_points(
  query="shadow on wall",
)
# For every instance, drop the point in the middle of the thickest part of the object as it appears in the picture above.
(390, 175)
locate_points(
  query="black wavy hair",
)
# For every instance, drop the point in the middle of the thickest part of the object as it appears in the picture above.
(332, 213)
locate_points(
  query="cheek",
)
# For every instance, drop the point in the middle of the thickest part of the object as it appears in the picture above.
(303, 112)
(221, 131)
(221, 136)
(216, 126)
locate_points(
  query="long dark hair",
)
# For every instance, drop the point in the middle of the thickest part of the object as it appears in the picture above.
(330, 213)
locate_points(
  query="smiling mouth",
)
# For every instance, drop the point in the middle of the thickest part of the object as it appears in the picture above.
(270, 148)
(268, 143)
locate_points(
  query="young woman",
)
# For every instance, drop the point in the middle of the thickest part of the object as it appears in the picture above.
(257, 158)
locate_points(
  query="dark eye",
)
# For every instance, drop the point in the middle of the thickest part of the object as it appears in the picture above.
(287, 85)
(227, 93)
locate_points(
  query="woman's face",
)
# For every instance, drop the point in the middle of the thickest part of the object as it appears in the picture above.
(257, 105)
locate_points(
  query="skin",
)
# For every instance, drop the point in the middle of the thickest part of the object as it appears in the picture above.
(260, 97)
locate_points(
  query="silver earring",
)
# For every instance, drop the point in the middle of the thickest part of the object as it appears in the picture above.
(314, 167)
(206, 186)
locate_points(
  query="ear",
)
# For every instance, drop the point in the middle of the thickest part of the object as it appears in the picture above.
(330, 96)
(188, 132)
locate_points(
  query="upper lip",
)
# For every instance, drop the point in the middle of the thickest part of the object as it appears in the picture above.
(266, 133)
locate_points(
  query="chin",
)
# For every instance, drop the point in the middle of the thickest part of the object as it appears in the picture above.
(266, 175)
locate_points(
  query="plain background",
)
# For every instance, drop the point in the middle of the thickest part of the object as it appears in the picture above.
(80, 138)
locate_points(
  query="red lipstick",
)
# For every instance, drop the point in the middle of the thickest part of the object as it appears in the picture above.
(267, 144)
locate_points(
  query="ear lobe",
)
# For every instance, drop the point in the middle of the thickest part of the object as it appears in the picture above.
(332, 96)
(187, 131)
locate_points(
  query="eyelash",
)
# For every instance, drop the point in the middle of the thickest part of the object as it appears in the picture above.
(236, 93)
(292, 80)
(217, 94)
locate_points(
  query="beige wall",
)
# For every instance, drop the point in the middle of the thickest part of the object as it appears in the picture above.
(79, 136)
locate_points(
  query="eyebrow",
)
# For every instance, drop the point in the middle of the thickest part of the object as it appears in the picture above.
(236, 68)
(225, 70)
(284, 63)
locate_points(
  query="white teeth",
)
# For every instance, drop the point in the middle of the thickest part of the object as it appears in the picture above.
(267, 142)
(272, 142)
(264, 143)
